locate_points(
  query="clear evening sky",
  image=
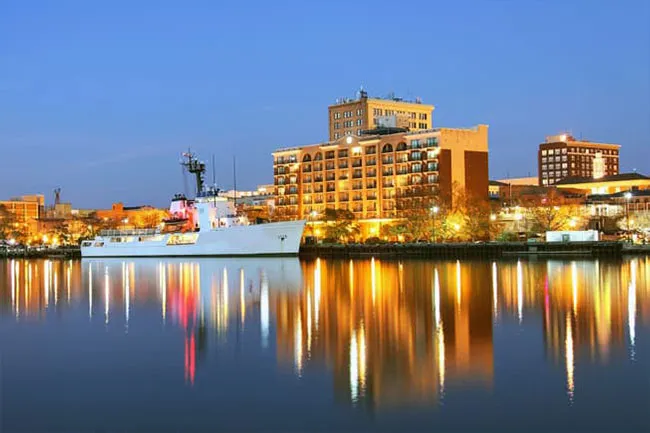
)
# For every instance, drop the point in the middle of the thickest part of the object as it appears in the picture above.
(100, 98)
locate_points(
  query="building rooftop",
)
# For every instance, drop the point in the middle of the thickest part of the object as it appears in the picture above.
(574, 180)
(497, 183)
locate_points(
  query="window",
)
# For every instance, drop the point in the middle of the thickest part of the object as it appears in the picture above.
(544, 181)
(422, 125)
(432, 141)
(336, 135)
(564, 150)
(551, 151)
(337, 115)
(563, 157)
(415, 144)
(543, 152)
(564, 173)
(543, 160)
(359, 121)
(423, 116)
(564, 165)
(337, 125)
(359, 112)
(544, 166)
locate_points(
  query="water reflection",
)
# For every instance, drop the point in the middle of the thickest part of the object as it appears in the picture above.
(389, 333)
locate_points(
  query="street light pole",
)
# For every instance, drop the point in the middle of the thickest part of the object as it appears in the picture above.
(434, 211)
(628, 196)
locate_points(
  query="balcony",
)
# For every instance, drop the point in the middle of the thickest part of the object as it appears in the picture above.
(331, 189)
(344, 199)
(306, 169)
(388, 160)
(371, 197)
(357, 198)
(320, 189)
(357, 186)
(357, 175)
(343, 165)
(329, 166)
(388, 185)
(402, 171)
(330, 176)
(318, 178)
(371, 186)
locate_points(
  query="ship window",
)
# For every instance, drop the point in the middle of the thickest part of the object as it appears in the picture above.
(182, 239)
(99, 244)
(86, 244)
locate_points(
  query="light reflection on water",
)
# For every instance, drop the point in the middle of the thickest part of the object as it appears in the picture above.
(387, 336)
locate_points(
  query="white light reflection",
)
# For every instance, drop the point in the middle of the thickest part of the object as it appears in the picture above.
(127, 293)
(354, 368)
(106, 295)
(317, 289)
(163, 289)
(373, 279)
(440, 334)
(309, 324)
(631, 308)
(495, 295)
(574, 286)
(242, 299)
(90, 291)
(69, 279)
(13, 283)
(46, 277)
(297, 345)
(264, 310)
(362, 359)
(520, 291)
(569, 359)
(224, 297)
(458, 287)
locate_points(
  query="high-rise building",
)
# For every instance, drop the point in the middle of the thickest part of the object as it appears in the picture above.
(349, 117)
(376, 175)
(562, 156)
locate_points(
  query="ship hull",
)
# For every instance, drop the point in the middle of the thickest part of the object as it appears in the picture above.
(272, 239)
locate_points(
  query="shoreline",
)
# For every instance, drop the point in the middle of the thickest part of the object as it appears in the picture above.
(490, 250)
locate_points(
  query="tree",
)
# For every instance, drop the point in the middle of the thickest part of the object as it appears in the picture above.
(340, 225)
(149, 218)
(552, 213)
(11, 227)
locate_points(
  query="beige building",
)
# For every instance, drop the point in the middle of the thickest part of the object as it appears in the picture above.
(376, 175)
(349, 117)
(562, 156)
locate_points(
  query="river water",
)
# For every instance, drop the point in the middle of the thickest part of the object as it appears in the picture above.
(289, 345)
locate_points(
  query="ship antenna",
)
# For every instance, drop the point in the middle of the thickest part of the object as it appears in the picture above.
(214, 173)
(234, 176)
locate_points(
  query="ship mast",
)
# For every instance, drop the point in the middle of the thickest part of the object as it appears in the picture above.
(196, 167)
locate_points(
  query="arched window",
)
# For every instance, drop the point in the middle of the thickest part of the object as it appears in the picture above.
(387, 148)
(306, 158)
(318, 156)
(401, 146)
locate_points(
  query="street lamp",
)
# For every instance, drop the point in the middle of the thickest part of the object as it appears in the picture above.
(434, 212)
(628, 197)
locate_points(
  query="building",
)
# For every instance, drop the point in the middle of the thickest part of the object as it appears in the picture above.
(563, 156)
(521, 181)
(349, 117)
(26, 210)
(375, 175)
(121, 213)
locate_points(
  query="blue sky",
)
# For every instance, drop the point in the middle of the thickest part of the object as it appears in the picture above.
(100, 98)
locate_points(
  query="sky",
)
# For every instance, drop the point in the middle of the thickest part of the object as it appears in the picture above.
(100, 98)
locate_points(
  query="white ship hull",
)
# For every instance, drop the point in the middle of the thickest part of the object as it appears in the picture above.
(272, 239)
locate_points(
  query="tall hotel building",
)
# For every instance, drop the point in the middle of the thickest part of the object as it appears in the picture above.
(349, 117)
(372, 173)
(563, 156)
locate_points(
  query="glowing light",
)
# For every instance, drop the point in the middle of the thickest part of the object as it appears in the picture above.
(46, 277)
(495, 295)
(574, 286)
(45, 239)
(631, 308)
(440, 333)
(458, 284)
(224, 297)
(69, 280)
(569, 359)
(297, 345)
(127, 293)
(351, 273)
(163, 290)
(362, 359)
(456, 226)
(90, 291)
(317, 289)
(520, 291)
(264, 310)
(435, 209)
(106, 295)
(354, 369)
(309, 323)
(242, 300)
(373, 279)
(13, 283)
(436, 298)
(493, 217)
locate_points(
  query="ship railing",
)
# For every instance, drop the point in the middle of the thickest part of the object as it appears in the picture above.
(129, 232)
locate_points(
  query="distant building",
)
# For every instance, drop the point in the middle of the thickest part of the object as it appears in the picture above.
(521, 181)
(562, 156)
(26, 210)
(370, 174)
(119, 212)
(349, 117)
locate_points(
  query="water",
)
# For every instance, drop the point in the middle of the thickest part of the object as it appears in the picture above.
(280, 344)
